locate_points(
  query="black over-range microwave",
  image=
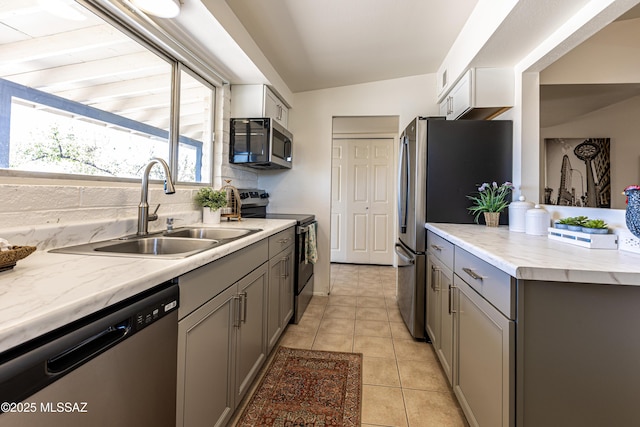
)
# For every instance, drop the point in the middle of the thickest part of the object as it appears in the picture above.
(260, 143)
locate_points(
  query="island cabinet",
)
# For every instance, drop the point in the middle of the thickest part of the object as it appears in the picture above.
(545, 333)
(222, 340)
(578, 353)
(484, 341)
(470, 319)
(440, 300)
(280, 293)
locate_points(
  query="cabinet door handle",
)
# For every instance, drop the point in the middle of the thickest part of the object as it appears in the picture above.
(451, 310)
(243, 301)
(236, 311)
(288, 267)
(434, 270)
(472, 273)
(437, 247)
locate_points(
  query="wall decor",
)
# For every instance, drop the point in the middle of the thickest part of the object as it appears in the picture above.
(578, 172)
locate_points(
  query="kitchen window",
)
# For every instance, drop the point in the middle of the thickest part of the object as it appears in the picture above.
(82, 94)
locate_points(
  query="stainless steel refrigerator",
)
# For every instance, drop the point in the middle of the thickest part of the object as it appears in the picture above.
(440, 163)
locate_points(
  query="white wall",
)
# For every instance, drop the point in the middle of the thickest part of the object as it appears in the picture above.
(620, 123)
(306, 188)
(594, 16)
(609, 56)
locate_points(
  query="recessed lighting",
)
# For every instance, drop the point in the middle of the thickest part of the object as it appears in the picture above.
(159, 8)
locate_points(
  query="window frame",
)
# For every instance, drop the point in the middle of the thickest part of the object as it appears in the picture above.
(141, 29)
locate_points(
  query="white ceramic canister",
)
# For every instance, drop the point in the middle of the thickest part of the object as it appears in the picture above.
(518, 215)
(538, 221)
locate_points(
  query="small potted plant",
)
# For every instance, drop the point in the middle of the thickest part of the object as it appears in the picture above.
(575, 223)
(211, 201)
(563, 223)
(595, 226)
(490, 200)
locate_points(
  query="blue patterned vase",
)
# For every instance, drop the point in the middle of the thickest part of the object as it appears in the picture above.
(633, 209)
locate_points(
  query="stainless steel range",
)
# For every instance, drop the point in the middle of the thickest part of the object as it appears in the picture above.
(254, 205)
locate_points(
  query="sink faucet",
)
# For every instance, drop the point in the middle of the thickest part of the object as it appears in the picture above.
(143, 207)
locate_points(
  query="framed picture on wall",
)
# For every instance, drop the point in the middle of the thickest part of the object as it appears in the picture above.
(578, 172)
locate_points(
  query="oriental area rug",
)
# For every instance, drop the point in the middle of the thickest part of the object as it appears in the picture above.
(307, 388)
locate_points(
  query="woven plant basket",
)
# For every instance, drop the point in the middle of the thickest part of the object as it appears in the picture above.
(492, 218)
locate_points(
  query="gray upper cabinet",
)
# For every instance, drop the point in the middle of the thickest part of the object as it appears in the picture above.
(480, 94)
(253, 101)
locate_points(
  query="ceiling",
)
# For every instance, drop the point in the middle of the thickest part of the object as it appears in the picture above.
(321, 44)
(562, 103)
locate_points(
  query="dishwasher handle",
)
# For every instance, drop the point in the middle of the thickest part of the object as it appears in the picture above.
(89, 348)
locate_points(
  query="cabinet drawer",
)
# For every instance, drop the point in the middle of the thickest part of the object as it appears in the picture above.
(441, 248)
(493, 284)
(200, 285)
(281, 241)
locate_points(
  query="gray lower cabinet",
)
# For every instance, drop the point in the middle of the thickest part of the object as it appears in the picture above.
(205, 359)
(433, 295)
(251, 345)
(439, 302)
(440, 313)
(280, 294)
(578, 354)
(471, 311)
(222, 339)
(484, 354)
(484, 341)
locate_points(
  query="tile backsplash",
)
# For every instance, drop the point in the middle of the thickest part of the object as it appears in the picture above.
(50, 216)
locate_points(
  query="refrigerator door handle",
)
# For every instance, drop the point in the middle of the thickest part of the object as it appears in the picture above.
(403, 185)
(404, 256)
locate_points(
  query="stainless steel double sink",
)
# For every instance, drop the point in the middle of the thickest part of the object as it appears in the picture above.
(178, 243)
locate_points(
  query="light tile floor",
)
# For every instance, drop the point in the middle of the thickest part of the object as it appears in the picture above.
(403, 384)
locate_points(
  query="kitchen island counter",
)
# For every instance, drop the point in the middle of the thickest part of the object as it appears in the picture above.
(49, 290)
(537, 332)
(529, 257)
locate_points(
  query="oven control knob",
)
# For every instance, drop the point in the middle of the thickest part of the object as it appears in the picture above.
(264, 196)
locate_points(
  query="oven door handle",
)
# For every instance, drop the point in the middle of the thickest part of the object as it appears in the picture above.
(303, 229)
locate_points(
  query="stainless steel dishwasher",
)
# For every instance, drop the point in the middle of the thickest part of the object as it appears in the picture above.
(116, 367)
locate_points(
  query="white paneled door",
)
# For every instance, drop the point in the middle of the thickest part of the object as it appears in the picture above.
(362, 201)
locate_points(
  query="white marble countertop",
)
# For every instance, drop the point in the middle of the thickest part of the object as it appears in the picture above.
(48, 290)
(524, 256)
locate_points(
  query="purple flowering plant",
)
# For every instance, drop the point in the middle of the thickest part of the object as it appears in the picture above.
(490, 198)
